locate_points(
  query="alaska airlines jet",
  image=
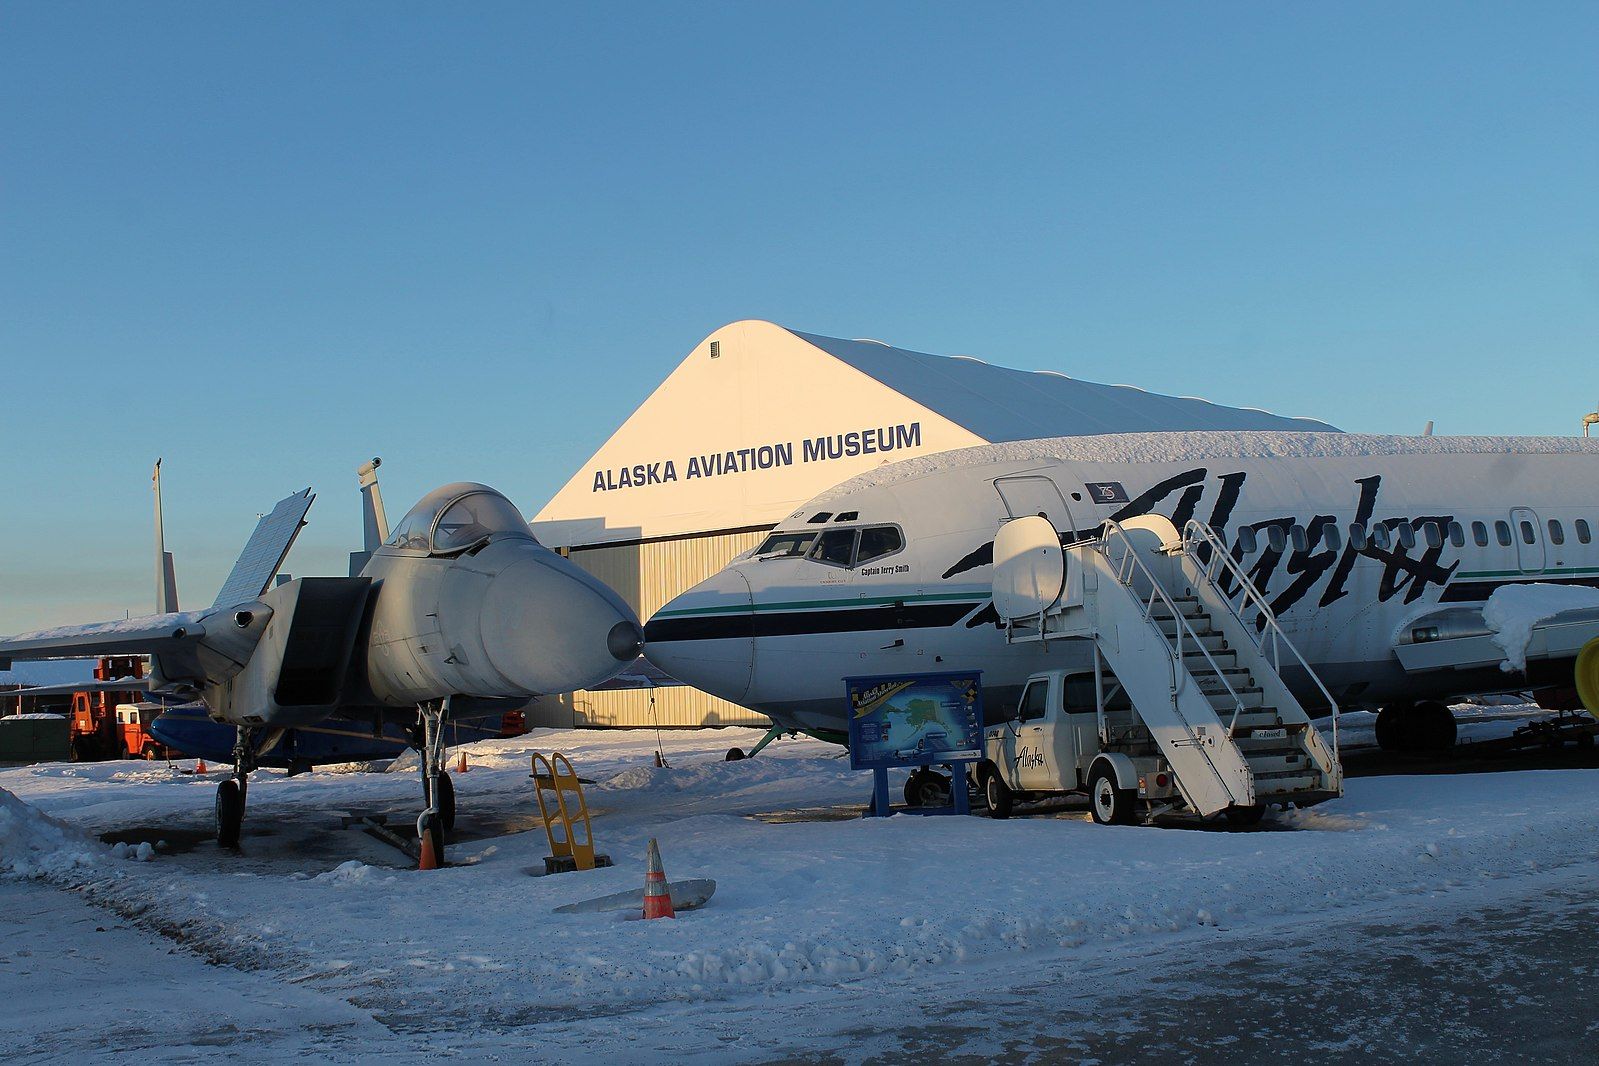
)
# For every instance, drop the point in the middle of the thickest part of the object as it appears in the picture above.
(1377, 554)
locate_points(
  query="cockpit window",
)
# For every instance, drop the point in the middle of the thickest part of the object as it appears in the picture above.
(784, 545)
(836, 546)
(877, 542)
(473, 518)
(457, 517)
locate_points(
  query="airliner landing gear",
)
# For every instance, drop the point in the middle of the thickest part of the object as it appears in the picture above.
(438, 791)
(1415, 727)
(231, 793)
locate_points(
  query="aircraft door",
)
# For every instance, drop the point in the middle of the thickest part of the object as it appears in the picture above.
(1529, 545)
(1031, 495)
(1035, 739)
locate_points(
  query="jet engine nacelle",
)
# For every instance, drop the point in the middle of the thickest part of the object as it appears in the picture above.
(304, 634)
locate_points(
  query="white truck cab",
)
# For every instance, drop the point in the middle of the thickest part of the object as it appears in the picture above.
(1068, 734)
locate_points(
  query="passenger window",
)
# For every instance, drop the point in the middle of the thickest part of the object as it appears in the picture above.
(1296, 535)
(1502, 532)
(1357, 535)
(1457, 534)
(1557, 532)
(1434, 534)
(835, 547)
(1528, 534)
(878, 542)
(1276, 538)
(1381, 537)
(1246, 540)
(1330, 536)
(1035, 701)
(1407, 536)
(1582, 530)
(1479, 534)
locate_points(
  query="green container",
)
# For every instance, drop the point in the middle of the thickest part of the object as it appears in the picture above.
(30, 738)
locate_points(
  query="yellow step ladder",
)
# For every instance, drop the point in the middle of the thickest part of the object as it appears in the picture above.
(569, 849)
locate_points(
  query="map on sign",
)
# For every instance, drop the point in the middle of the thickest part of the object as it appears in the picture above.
(914, 719)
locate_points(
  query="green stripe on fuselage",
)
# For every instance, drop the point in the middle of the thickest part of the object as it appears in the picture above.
(806, 605)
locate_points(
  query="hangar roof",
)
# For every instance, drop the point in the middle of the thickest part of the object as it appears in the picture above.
(1000, 404)
(758, 418)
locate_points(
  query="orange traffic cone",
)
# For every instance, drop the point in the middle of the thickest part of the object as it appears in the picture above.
(428, 860)
(199, 766)
(461, 769)
(657, 897)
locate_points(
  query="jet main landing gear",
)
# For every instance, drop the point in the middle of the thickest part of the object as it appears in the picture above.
(231, 792)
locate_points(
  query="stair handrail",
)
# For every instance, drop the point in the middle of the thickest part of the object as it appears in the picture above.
(1195, 530)
(1174, 651)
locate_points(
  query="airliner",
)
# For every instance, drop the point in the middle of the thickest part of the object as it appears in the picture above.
(1377, 554)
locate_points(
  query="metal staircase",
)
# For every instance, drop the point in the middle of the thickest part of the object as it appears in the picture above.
(1193, 643)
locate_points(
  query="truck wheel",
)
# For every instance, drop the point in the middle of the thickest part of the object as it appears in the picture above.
(998, 795)
(927, 788)
(1244, 817)
(1109, 804)
(1436, 726)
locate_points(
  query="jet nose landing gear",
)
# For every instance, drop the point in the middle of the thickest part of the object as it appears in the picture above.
(438, 791)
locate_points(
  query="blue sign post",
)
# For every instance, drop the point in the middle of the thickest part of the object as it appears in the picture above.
(916, 720)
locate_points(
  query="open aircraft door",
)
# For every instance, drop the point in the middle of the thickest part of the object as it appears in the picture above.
(1033, 495)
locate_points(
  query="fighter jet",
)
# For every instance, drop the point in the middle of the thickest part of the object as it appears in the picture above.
(459, 611)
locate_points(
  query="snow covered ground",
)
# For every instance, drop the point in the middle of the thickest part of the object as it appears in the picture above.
(811, 906)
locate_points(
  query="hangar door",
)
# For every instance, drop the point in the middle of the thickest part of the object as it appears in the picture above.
(1033, 495)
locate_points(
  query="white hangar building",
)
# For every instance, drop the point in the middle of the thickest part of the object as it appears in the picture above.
(757, 420)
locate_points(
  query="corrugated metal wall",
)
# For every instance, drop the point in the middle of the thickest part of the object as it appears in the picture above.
(647, 576)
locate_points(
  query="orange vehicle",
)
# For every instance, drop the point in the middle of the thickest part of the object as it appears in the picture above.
(133, 726)
(96, 733)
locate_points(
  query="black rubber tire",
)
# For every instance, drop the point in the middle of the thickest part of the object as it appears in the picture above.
(1435, 726)
(230, 813)
(1396, 728)
(1108, 804)
(736, 755)
(1245, 817)
(927, 788)
(998, 795)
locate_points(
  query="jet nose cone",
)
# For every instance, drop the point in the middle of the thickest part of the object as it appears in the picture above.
(626, 640)
(549, 627)
(706, 637)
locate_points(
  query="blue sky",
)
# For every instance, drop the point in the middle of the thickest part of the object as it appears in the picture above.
(269, 241)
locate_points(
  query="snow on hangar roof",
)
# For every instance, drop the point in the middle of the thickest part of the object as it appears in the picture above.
(1001, 404)
(758, 418)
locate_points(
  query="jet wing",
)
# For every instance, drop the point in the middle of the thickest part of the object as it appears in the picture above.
(640, 673)
(186, 648)
(126, 684)
(265, 551)
(1459, 639)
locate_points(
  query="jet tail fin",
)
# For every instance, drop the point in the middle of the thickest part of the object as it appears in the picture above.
(265, 551)
(374, 522)
(166, 575)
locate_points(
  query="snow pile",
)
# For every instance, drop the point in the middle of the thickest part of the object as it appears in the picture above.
(32, 844)
(1513, 611)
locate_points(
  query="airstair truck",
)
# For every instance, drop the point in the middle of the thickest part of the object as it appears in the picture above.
(1185, 710)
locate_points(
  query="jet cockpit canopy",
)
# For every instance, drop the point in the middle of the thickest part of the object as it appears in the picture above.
(457, 517)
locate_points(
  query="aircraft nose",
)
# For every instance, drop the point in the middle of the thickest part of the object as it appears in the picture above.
(706, 636)
(548, 626)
